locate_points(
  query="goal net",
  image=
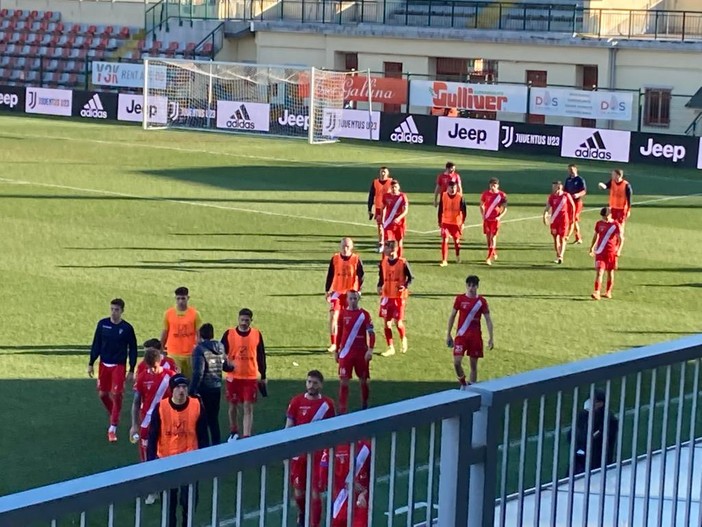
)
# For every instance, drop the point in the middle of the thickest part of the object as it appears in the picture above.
(290, 101)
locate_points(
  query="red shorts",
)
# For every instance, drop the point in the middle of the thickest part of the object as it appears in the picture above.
(469, 344)
(242, 390)
(454, 231)
(619, 215)
(395, 231)
(143, 441)
(392, 308)
(111, 378)
(606, 262)
(298, 472)
(360, 516)
(578, 209)
(491, 227)
(560, 229)
(379, 216)
(355, 361)
(337, 301)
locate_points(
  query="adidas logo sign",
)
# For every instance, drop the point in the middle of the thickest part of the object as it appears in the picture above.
(407, 132)
(240, 120)
(593, 148)
(94, 109)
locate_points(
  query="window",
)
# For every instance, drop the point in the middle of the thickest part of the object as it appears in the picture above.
(657, 107)
(537, 79)
(392, 70)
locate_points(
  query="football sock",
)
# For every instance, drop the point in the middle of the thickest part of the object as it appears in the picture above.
(444, 250)
(388, 336)
(112, 428)
(365, 393)
(116, 408)
(107, 402)
(234, 430)
(402, 331)
(457, 248)
(343, 397)
(316, 516)
(332, 339)
(610, 283)
(598, 284)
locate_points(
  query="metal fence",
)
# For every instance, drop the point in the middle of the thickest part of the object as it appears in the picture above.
(504, 453)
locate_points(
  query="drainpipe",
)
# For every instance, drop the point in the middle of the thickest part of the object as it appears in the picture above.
(612, 71)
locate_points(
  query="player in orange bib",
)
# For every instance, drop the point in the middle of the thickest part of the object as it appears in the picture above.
(356, 343)
(379, 187)
(493, 206)
(395, 208)
(345, 273)
(559, 216)
(452, 216)
(469, 340)
(246, 352)
(606, 247)
(449, 175)
(619, 197)
(180, 331)
(394, 279)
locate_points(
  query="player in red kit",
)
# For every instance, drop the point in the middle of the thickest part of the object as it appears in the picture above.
(442, 182)
(355, 349)
(395, 208)
(606, 247)
(307, 408)
(342, 474)
(469, 339)
(394, 279)
(493, 206)
(166, 362)
(379, 187)
(451, 216)
(559, 215)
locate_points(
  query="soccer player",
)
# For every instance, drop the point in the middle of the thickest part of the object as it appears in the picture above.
(307, 408)
(180, 331)
(379, 187)
(246, 352)
(606, 247)
(113, 342)
(619, 197)
(493, 206)
(394, 279)
(452, 216)
(443, 180)
(165, 361)
(343, 472)
(355, 351)
(395, 208)
(559, 215)
(344, 274)
(150, 387)
(469, 339)
(576, 186)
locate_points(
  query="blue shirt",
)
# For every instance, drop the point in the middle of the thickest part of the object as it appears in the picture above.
(113, 343)
(573, 185)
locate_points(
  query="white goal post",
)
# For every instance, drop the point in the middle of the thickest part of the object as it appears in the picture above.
(279, 100)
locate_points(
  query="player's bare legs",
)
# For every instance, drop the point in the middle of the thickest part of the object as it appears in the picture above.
(381, 236)
(559, 244)
(598, 284)
(444, 248)
(333, 327)
(248, 419)
(578, 238)
(403, 335)
(610, 284)
(457, 248)
(473, 370)
(460, 372)
(315, 505)
(492, 248)
(233, 423)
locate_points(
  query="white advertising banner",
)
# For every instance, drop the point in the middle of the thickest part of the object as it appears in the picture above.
(126, 75)
(244, 116)
(351, 124)
(699, 156)
(49, 101)
(476, 97)
(477, 134)
(597, 144)
(564, 102)
(131, 108)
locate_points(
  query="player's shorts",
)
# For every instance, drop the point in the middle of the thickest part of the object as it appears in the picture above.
(491, 227)
(606, 262)
(469, 344)
(619, 215)
(559, 229)
(450, 230)
(392, 308)
(111, 378)
(394, 231)
(143, 441)
(378, 216)
(578, 209)
(242, 390)
(360, 516)
(337, 301)
(356, 362)
(184, 364)
(298, 472)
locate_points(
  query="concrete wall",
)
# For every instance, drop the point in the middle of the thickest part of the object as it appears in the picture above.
(112, 13)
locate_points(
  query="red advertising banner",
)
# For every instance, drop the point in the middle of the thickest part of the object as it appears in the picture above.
(383, 90)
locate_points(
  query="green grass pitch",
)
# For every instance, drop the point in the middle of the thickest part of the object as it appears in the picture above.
(92, 212)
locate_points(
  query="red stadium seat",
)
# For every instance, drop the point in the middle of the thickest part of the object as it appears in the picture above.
(156, 47)
(92, 30)
(75, 28)
(189, 50)
(108, 30)
(33, 15)
(3, 13)
(206, 50)
(124, 32)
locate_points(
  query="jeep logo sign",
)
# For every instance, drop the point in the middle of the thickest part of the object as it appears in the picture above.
(673, 152)
(665, 150)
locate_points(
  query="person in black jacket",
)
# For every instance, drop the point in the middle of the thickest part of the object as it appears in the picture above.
(597, 439)
(209, 359)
